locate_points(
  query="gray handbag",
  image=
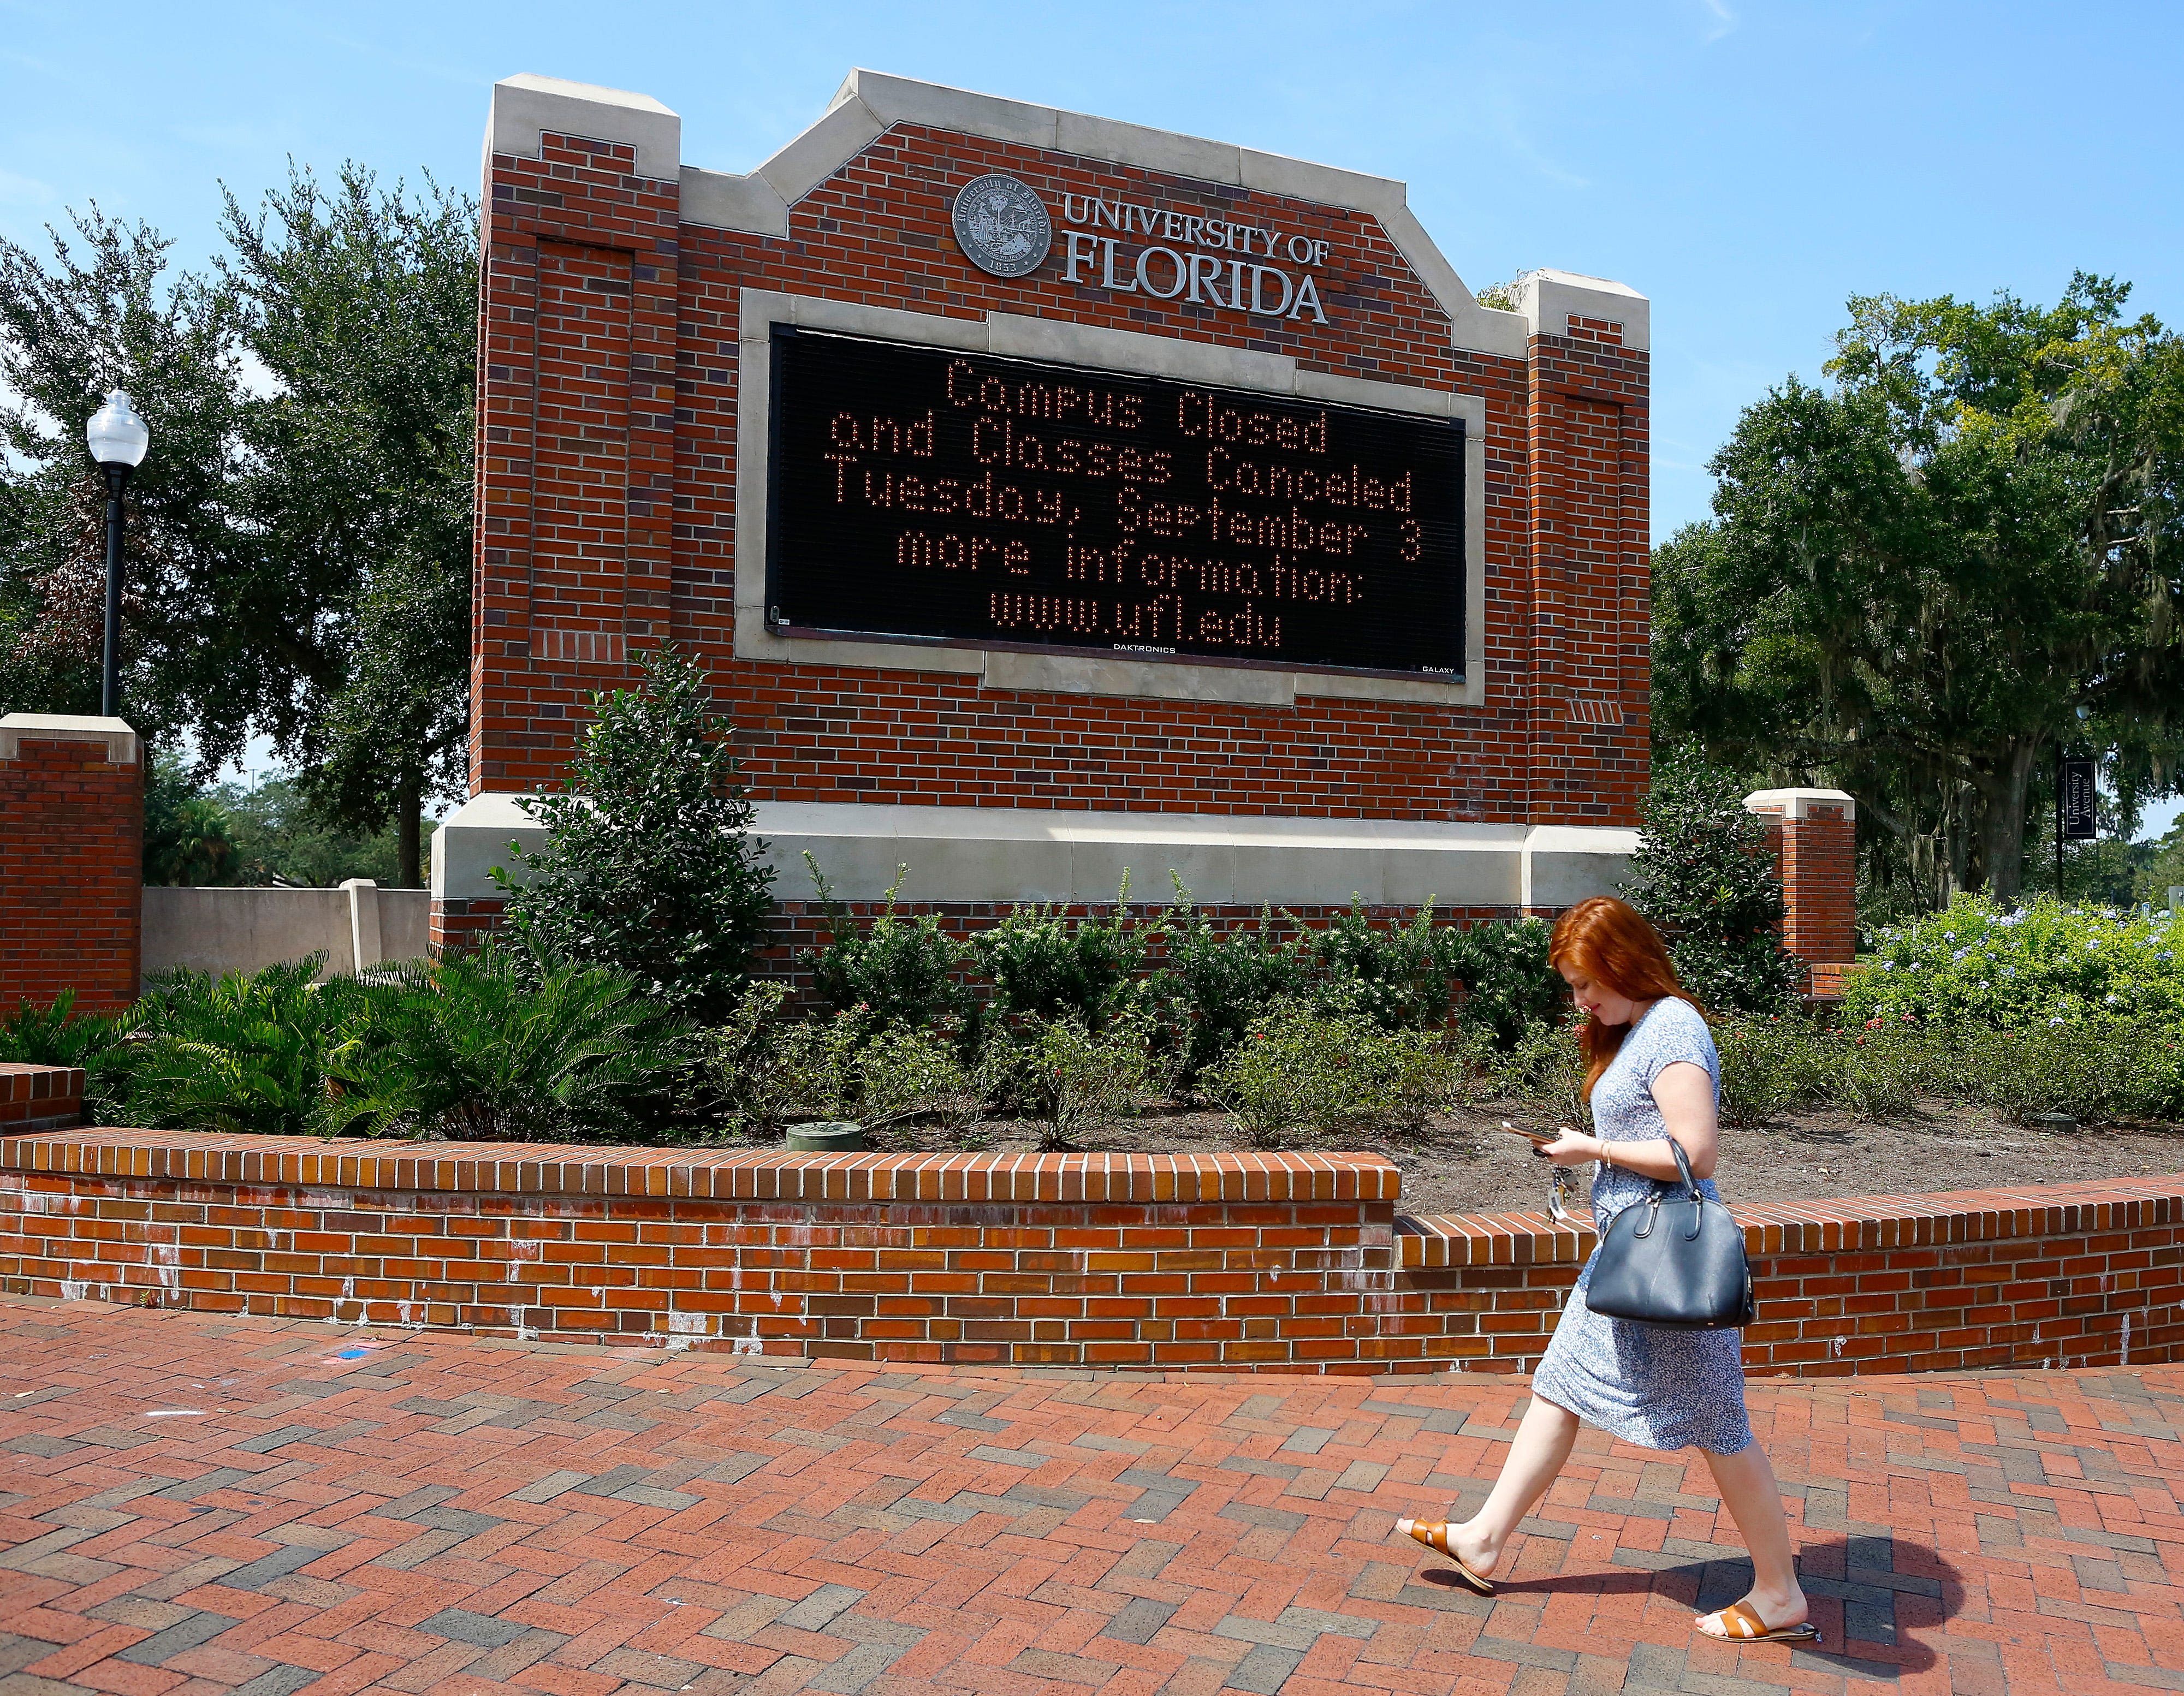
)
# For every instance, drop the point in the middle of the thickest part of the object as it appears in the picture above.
(1676, 1261)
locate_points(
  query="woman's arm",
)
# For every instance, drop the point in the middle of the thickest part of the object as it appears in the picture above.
(1683, 1092)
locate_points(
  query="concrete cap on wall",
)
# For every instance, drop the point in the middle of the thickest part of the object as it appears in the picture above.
(1798, 803)
(474, 839)
(1548, 299)
(523, 106)
(1006, 855)
(18, 728)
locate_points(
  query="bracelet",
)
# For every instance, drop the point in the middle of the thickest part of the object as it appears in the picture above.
(1606, 1160)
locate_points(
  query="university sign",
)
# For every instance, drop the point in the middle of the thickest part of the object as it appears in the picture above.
(921, 495)
(1046, 495)
(1004, 229)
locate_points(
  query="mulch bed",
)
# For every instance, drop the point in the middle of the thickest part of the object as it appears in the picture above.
(1464, 1163)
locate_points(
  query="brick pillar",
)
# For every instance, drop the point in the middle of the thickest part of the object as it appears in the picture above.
(1815, 834)
(71, 860)
(1590, 376)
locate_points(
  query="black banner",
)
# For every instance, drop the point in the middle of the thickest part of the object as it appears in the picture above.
(2081, 801)
(917, 493)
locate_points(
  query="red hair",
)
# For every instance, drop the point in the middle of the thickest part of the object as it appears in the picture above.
(1610, 942)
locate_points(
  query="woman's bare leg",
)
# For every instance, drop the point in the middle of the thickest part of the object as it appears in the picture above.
(1754, 1500)
(1536, 1455)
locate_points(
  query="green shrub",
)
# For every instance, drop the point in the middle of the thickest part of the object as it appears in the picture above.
(768, 1073)
(650, 865)
(1067, 1076)
(1299, 1069)
(59, 1036)
(1878, 1070)
(893, 971)
(1223, 980)
(1401, 976)
(2044, 964)
(2095, 1074)
(1547, 1067)
(1704, 874)
(483, 1047)
(1048, 966)
(242, 1055)
(1508, 983)
(1770, 1065)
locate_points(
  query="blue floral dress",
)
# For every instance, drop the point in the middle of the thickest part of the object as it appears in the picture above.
(1659, 1389)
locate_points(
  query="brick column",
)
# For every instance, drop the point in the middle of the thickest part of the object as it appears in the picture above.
(1588, 367)
(1815, 834)
(71, 860)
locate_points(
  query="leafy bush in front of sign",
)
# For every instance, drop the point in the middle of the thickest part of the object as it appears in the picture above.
(650, 865)
(1048, 965)
(1225, 979)
(893, 971)
(1299, 1069)
(1401, 976)
(1509, 984)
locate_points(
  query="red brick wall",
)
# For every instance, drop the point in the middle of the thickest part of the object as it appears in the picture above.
(39, 1097)
(2047, 1275)
(607, 454)
(71, 874)
(1280, 1262)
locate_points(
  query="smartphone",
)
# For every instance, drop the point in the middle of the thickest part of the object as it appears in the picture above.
(1538, 1139)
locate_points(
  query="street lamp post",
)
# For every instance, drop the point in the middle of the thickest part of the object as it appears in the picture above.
(118, 438)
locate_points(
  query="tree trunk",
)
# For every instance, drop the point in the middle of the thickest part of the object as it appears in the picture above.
(2002, 821)
(409, 833)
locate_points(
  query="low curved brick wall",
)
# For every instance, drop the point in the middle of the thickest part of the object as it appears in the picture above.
(1271, 1262)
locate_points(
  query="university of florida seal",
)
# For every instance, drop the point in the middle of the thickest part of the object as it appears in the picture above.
(1002, 226)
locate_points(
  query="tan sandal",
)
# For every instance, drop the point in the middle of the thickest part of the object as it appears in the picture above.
(1434, 1534)
(1741, 1623)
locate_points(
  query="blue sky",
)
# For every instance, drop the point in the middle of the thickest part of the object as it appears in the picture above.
(1747, 166)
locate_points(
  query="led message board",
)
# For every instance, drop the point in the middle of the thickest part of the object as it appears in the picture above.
(918, 494)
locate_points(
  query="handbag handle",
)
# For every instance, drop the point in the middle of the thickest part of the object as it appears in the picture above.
(1684, 1168)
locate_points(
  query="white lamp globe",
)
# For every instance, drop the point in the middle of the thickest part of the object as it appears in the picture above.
(117, 436)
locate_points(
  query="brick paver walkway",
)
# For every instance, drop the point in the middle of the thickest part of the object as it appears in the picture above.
(191, 1504)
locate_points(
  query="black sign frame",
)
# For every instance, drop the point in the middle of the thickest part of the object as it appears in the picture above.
(1454, 552)
(2078, 802)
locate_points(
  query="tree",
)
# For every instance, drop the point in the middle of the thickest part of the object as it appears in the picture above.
(98, 313)
(298, 560)
(650, 865)
(1704, 874)
(362, 305)
(1916, 583)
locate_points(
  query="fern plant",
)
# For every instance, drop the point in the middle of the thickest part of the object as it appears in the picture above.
(59, 1036)
(484, 1047)
(243, 1053)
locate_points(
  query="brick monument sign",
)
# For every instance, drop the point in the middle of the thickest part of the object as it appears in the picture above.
(1050, 496)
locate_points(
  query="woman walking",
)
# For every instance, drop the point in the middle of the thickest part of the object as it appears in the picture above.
(1654, 1074)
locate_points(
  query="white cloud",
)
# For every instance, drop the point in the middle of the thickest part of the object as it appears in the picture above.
(24, 191)
(1721, 19)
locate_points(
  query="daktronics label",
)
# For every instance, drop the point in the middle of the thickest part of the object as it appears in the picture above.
(919, 494)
